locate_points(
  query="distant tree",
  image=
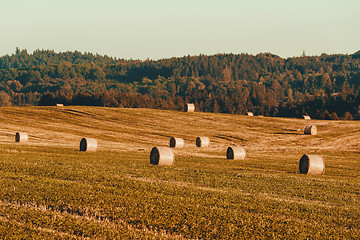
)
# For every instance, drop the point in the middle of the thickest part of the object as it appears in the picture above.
(348, 116)
(5, 100)
(48, 99)
(334, 116)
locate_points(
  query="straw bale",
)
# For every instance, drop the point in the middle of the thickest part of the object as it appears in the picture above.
(312, 164)
(189, 107)
(176, 142)
(21, 137)
(310, 130)
(162, 156)
(236, 153)
(202, 141)
(88, 145)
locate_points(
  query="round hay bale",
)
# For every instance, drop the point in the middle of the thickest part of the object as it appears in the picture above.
(312, 164)
(307, 117)
(21, 137)
(236, 153)
(310, 130)
(250, 114)
(88, 145)
(202, 141)
(189, 107)
(162, 156)
(176, 142)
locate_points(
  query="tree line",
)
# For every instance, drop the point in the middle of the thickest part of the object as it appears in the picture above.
(324, 87)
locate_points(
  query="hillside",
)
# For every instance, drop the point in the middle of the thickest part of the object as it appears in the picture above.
(51, 189)
(324, 87)
(142, 128)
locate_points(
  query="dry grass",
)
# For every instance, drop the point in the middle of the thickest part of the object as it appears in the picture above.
(115, 193)
(142, 128)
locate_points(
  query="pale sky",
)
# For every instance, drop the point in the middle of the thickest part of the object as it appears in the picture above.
(156, 29)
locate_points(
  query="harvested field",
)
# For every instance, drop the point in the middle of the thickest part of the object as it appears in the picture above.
(52, 190)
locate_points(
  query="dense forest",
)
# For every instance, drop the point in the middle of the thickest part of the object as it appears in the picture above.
(324, 87)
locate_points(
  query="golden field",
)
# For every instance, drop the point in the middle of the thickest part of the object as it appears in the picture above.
(52, 190)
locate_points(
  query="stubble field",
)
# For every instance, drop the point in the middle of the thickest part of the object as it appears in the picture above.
(51, 190)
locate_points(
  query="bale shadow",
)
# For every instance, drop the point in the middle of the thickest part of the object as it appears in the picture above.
(282, 133)
(229, 138)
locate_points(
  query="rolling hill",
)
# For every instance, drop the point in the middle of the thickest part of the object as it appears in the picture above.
(324, 87)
